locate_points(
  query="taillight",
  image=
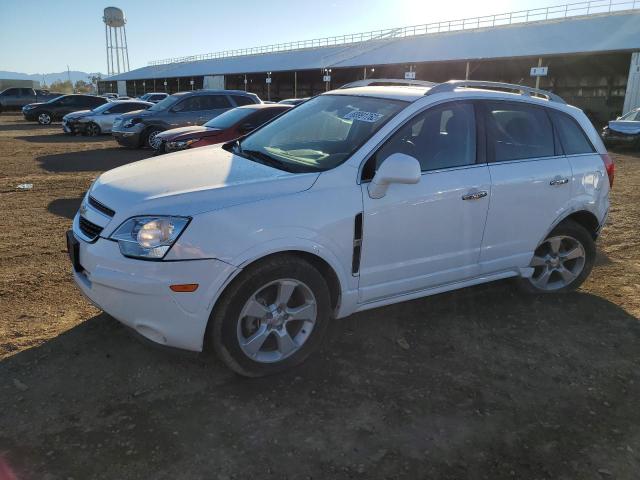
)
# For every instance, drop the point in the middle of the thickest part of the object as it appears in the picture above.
(610, 166)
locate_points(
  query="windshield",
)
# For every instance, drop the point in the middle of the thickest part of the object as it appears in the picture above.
(630, 116)
(321, 133)
(54, 99)
(103, 107)
(229, 118)
(164, 104)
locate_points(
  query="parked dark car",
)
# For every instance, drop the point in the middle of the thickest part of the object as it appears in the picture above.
(184, 109)
(223, 128)
(16, 98)
(45, 113)
(153, 97)
(625, 130)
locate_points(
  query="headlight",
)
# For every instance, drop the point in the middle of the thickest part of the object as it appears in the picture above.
(181, 144)
(131, 122)
(149, 237)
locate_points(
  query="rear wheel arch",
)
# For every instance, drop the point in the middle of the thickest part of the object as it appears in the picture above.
(586, 219)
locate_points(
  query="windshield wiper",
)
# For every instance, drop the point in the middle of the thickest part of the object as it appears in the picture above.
(265, 159)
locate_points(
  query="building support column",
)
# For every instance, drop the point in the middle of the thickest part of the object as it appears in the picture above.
(365, 73)
(466, 75)
(538, 77)
(295, 84)
(632, 95)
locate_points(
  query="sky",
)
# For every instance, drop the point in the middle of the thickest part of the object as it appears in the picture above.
(44, 36)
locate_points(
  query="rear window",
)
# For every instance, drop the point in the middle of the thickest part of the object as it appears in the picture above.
(573, 139)
(517, 131)
(242, 100)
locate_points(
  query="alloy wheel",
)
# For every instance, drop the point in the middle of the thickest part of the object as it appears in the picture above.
(153, 140)
(557, 262)
(276, 320)
(93, 130)
(44, 118)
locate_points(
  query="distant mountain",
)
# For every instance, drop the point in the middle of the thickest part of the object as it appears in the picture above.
(48, 78)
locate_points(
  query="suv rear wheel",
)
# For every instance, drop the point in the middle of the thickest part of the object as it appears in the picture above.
(562, 261)
(271, 318)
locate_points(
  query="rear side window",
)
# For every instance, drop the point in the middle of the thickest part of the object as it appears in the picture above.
(213, 102)
(573, 139)
(242, 100)
(517, 131)
(441, 137)
(93, 101)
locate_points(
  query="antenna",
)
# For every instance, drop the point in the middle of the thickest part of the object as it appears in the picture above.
(115, 34)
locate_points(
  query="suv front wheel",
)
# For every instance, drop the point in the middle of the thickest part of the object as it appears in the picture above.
(271, 318)
(563, 261)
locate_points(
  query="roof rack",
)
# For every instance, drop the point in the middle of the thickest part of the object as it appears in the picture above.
(521, 89)
(387, 82)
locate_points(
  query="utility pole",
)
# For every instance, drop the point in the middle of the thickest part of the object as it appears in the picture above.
(69, 78)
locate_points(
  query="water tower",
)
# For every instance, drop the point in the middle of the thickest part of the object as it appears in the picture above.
(116, 37)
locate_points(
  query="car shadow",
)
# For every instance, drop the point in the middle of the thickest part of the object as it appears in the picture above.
(65, 207)
(485, 380)
(91, 160)
(20, 125)
(60, 137)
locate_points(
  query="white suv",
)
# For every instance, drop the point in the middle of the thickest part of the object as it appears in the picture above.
(357, 198)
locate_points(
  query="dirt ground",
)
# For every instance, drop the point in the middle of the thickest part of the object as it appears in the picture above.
(494, 384)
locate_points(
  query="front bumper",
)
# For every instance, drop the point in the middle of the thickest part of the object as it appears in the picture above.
(29, 115)
(127, 139)
(137, 293)
(70, 126)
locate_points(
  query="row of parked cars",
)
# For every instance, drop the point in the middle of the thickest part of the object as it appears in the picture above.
(160, 121)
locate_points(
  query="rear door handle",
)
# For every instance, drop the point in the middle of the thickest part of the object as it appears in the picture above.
(558, 181)
(475, 195)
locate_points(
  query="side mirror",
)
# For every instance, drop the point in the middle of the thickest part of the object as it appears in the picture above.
(397, 168)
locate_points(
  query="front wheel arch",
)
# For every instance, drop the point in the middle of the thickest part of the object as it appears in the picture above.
(325, 269)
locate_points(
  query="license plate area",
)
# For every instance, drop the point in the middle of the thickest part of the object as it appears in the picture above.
(73, 249)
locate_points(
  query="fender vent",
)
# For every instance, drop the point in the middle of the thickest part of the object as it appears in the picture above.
(357, 244)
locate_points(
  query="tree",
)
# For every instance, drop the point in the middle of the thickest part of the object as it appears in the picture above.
(61, 87)
(83, 87)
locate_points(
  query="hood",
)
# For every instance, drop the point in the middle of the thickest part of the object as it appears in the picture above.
(174, 132)
(78, 114)
(625, 126)
(191, 182)
(33, 105)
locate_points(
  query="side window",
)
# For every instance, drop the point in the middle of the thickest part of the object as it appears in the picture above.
(242, 100)
(440, 137)
(213, 102)
(131, 107)
(188, 105)
(263, 116)
(156, 97)
(12, 91)
(68, 101)
(573, 139)
(121, 108)
(96, 102)
(26, 91)
(517, 131)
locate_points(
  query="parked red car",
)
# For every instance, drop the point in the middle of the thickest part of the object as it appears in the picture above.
(223, 128)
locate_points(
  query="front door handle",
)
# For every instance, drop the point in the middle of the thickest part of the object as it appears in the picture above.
(558, 181)
(475, 195)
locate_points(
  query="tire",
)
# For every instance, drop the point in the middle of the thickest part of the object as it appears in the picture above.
(150, 136)
(563, 261)
(278, 343)
(45, 118)
(92, 129)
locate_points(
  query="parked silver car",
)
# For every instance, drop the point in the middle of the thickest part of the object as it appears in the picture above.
(100, 120)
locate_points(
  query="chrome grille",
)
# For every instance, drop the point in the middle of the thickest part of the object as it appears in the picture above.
(101, 207)
(89, 229)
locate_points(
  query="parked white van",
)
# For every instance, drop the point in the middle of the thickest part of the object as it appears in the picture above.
(361, 197)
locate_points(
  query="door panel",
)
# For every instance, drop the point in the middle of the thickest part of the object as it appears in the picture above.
(531, 183)
(428, 234)
(424, 235)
